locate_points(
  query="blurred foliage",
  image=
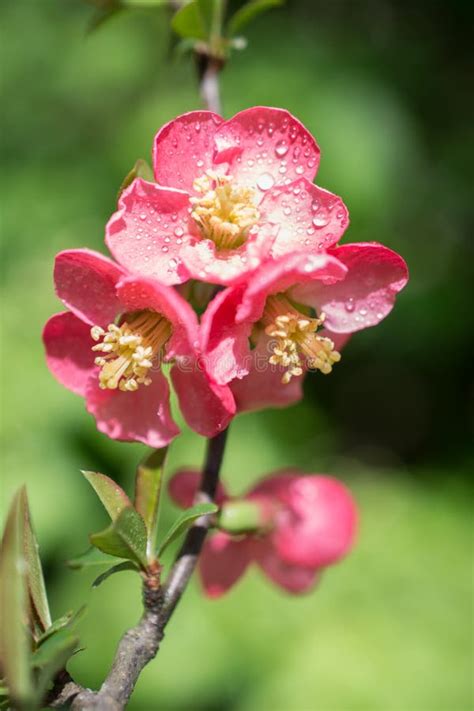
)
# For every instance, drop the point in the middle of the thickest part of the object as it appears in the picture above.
(382, 85)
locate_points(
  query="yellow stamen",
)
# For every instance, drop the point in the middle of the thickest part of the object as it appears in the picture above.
(296, 339)
(225, 212)
(128, 351)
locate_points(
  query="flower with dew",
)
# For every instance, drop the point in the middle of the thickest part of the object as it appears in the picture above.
(228, 196)
(111, 344)
(294, 314)
(295, 526)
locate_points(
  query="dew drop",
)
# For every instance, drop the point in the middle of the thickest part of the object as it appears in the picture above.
(164, 249)
(142, 216)
(179, 232)
(299, 169)
(287, 211)
(363, 312)
(281, 148)
(173, 263)
(349, 305)
(265, 181)
(321, 220)
(200, 163)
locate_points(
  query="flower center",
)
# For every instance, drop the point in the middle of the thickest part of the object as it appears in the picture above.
(127, 351)
(296, 339)
(224, 212)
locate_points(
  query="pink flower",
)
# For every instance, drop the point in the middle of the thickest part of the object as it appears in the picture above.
(294, 314)
(307, 522)
(229, 194)
(108, 348)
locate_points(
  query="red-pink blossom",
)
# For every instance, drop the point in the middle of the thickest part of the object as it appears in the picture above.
(308, 522)
(110, 345)
(228, 195)
(295, 313)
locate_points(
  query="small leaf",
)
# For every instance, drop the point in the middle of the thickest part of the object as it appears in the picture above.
(52, 656)
(147, 492)
(114, 499)
(14, 608)
(141, 169)
(249, 12)
(126, 565)
(35, 577)
(69, 621)
(186, 520)
(125, 538)
(91, 557)
(188, 21)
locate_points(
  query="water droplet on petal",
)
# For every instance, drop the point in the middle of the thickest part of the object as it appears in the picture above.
(281, 149)
(265, 181)
(321, 220)
(299, 169)
(349, 305)
(179, 232)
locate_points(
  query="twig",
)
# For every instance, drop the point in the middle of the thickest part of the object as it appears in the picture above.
(187, 557)
(208, 69)
(140, 644)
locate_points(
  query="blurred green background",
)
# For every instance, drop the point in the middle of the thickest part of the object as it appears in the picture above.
(382, 85)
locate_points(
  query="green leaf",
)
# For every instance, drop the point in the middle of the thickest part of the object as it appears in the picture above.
(189, 21)
(14, 607)
(126, 565)
(52, 656)
(69, 621)
(249, 12)
(125, 538)
(35, 577)
(141, 169)
(186, 520)
(91, 557)
(114, 499)
(147, 492)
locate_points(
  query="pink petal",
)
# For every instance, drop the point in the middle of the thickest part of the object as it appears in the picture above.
(68, 346)
(147, 231)
(320, 524)
(183, 486)
(266, 147)
(138, 293)
(375, 275)
(85, 282)
(140, 416)
(184, 148)
(225, 344)
(276, 483)
(262, 387)
(204, 261)
(293, 578)
(223, 561)
(311, 219)
(207, 408)
(278, 276)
